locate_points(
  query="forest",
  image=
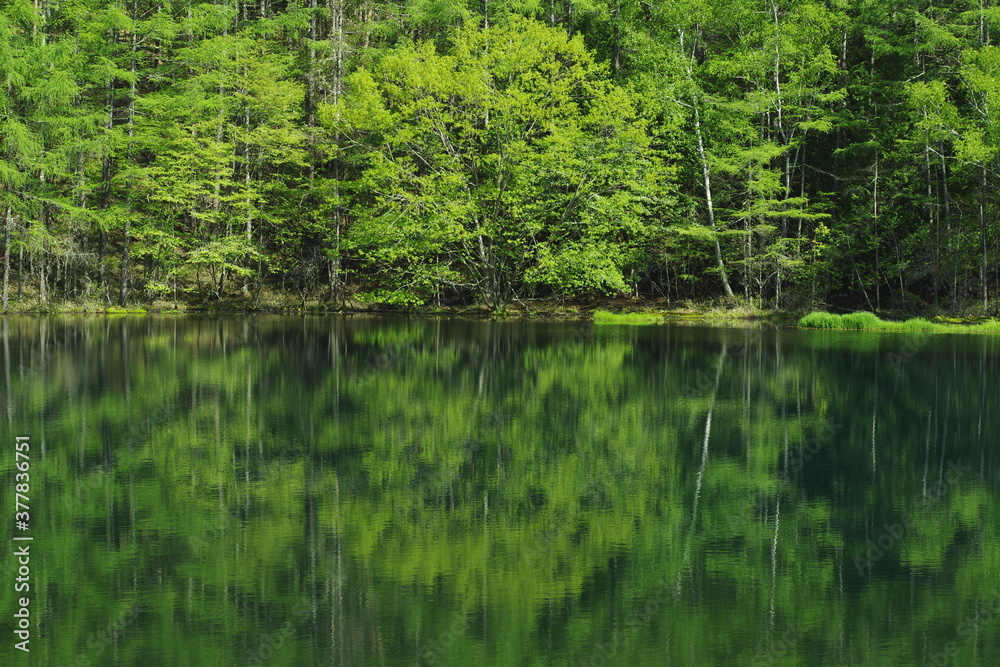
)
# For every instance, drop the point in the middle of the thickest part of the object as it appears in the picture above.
(786, 154)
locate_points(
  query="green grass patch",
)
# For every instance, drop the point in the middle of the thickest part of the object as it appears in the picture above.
(991, 326)
(863, 321)
(607, 317)
(118, 310)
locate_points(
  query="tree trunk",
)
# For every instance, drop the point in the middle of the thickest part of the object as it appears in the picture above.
(983, 279)
(125, 263)
(41, 277)
(107, 168)
(8, 226)
(339, 44)
(705, 170)
(946, 211)
(707, 182)
(878, 292)
(933, 223)
(127, 231)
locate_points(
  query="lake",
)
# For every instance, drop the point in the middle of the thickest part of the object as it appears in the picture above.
(215, 491)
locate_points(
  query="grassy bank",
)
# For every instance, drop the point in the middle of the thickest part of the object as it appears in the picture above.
(869, 322)
(607, 317)
(600, 310)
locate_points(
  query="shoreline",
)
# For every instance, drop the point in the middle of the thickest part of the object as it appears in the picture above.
(541, 310)
(601, 311)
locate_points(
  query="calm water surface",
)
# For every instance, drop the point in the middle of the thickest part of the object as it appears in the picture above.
(358, 491)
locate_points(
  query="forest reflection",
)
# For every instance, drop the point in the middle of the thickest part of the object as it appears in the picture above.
(391, 491)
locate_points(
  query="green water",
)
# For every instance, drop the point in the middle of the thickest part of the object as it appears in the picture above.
(360, 491)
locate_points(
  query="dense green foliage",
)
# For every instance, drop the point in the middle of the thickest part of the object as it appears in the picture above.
(194, 480)
(784, 154)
